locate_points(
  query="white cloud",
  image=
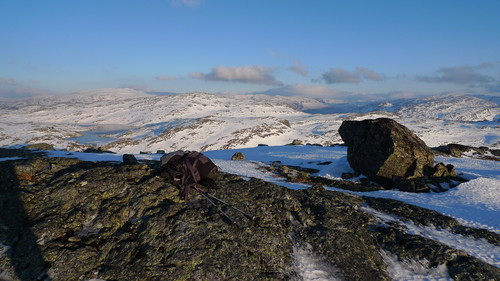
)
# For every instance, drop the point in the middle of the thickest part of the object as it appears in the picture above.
(298, 67)
(164, 78)
(460, 75)
(340, 75)
(369, 74)
(306, 90)
(187, 3)
(255, 74)
(8, 81)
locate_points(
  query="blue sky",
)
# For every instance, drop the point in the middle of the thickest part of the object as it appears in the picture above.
(343, 50)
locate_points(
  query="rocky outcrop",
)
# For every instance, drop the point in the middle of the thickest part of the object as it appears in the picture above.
(459, 150)
(390, 154)
(382, 148)
(67, 219)
(238, 156)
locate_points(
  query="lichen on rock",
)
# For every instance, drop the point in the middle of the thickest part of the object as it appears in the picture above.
(68, 219)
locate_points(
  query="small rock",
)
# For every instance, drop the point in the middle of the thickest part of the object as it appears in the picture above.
(40, 146)
(286, 123)
(160, 152)
(440, 170)
(238, 156)
(410, 185)
(75, 239)
(296, 142)
(129, 159)
(317, 188)
(347, 176)
(451, 170)
(97, 150)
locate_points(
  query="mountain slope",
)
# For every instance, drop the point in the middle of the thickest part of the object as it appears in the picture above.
(201, 121)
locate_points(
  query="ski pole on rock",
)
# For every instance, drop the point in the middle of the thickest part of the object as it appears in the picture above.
(247, 215)
(215, 205)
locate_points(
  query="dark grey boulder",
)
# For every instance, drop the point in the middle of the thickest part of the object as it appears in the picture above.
(129, 159)
(383, 149)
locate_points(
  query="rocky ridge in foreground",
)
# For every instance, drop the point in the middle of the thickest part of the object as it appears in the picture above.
(67, 219)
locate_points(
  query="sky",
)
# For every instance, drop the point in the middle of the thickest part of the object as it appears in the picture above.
(339, 50)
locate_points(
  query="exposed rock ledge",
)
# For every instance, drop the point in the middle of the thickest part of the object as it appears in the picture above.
(66, 219)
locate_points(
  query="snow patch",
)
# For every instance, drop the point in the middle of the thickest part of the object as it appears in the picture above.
(413, 270)
(478, 248)
(311, 267)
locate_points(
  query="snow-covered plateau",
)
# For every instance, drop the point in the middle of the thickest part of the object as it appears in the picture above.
(129, 121)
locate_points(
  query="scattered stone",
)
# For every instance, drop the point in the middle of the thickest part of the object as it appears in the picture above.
(347, 176)
(129, 159)
(160, 152)
(285, 122)
(238, 156)
(39, 146)
(97, 150)
(459, 150)
(410, 184)
(442, 170)
(314, 144)
(296, 142)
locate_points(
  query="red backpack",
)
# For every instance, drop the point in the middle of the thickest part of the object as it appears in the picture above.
(188, 168)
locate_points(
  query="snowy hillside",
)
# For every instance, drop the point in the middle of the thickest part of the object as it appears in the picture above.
(453, 108)
(125, 120)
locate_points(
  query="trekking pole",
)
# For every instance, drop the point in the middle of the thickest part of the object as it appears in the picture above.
(215, 205)
(247, 215)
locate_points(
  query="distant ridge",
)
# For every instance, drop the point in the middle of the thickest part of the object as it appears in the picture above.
(203, 121)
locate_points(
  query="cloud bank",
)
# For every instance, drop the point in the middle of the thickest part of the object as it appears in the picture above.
(298, 68)
(8, 81)
(305, 90)
(460, 75)
(255, 74)
(340, 75)
(164, 78)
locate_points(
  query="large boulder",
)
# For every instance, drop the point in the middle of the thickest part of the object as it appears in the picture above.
(383, 149)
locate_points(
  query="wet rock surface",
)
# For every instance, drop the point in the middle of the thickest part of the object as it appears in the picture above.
(67, 219)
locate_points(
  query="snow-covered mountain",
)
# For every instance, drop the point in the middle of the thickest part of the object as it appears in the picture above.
(201, 121)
